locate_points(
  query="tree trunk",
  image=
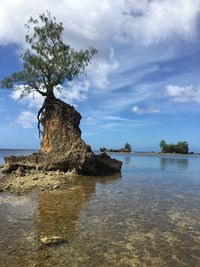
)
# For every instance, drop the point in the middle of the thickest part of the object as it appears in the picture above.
(62, 147)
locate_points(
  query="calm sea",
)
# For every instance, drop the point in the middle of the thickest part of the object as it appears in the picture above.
(147, 216)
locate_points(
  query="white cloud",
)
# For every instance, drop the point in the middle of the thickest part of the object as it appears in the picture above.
(33, 100)
(142, 111)
(99, 72)
(183, 94)
(90, 120)
(155, 21)
(115, 118)
(123, 126)
(90, 21)
(74, 91)
(26, 119)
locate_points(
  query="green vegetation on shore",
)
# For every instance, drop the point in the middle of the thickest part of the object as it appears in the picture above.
(179, 148)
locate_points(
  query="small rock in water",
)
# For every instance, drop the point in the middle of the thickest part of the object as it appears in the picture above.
(51, 240)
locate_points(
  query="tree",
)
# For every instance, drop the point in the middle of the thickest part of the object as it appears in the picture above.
(49, 62)
(127, 147)
(180, 147)
(162, 145)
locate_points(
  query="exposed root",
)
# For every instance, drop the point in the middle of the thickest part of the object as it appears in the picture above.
(47, 103)
(39, 118)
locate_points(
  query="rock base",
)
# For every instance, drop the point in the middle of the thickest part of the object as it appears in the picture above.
(90, 164)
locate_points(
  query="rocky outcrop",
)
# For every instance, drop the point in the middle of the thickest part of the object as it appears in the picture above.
(121, 150)
(62, 147)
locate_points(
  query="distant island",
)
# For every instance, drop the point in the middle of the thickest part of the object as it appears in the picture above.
(125, 149)
(179, 148)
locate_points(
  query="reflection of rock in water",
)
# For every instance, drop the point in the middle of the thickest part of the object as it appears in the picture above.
(166, 163)
(127, 160)
(58, 211)
(108, 179)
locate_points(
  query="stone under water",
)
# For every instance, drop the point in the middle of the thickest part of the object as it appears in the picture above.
(62, 147)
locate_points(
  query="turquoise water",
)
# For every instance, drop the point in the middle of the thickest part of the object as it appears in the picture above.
(147, 216)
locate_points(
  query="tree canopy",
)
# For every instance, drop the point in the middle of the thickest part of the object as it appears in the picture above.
(180, 147)
(127, 147)
(48, 62)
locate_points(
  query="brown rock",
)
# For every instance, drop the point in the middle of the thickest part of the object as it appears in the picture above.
(20, 172)
(10, 167)
(62, 148)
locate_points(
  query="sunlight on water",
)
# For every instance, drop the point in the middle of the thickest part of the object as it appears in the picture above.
(148, 216)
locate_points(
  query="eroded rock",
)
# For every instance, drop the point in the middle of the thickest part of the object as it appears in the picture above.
(62, 148)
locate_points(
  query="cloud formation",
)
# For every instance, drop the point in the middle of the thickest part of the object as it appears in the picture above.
(156, 21)
(26, 119)
(136, 40)
(88, 20)
(183, 94)
(141, 111)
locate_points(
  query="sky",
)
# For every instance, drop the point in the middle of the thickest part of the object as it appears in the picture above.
(141, 87)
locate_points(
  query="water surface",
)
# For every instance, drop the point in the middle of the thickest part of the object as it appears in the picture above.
(147, 216)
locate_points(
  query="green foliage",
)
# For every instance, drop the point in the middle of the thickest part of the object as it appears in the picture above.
(179, 148)
(49, 61)
(162, 144)
(127, 146)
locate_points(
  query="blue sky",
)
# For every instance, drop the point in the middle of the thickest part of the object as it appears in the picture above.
(143, 85)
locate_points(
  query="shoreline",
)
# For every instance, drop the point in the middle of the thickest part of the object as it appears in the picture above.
(155, 153)
(167, 154)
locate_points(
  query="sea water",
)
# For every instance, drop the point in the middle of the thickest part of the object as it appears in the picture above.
(149, 215)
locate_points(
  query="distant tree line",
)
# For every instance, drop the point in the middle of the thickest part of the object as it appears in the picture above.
(179, 148)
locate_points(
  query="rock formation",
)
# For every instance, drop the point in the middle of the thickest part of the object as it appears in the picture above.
(121, 150)
(62, 147)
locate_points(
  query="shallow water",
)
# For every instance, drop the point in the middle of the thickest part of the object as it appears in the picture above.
(148, 216)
